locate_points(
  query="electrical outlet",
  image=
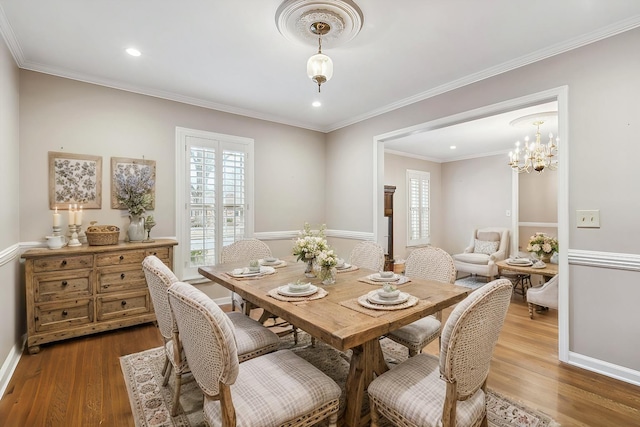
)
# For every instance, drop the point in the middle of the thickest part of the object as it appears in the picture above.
(588, 218)
(508, 213)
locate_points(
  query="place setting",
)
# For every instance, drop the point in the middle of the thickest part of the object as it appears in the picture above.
(521, 262)
(342, 266)
(272, 262)
(383, 277)
(253, 271)
(387, 298)
(298, 291)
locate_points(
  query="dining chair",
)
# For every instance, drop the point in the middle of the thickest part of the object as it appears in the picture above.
(428, 263)
(368, 255)
(253, 339)
(450, 390)
(275, 389)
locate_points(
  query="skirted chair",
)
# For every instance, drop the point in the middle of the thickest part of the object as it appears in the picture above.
(275, 389)
(488, 245)
(252, 338)
(450, 390)
(243, 250)
(428, 263)
(545, 296)
(368, 255)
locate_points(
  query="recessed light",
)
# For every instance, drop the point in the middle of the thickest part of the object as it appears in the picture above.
(453, 147)
(133, 51)
(316, 103)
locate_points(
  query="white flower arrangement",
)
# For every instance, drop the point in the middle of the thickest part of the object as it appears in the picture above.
(542, 245)
(327, 258)
(309, 243)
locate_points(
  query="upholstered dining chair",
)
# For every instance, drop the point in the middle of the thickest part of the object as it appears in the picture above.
(428, 263)
(488, 245)
(253, 339)
(243, 250)
(275, 389)
(450, 390)
(369, 255)
(545, 296)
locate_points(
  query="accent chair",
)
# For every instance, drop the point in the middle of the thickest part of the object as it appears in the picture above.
(488, 245)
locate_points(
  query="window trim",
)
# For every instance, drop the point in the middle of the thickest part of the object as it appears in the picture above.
(422, 175)
(181, 254)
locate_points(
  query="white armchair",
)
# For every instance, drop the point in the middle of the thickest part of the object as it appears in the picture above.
(488, 245)
(544, 296)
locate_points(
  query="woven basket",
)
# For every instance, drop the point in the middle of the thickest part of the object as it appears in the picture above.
(100, 235)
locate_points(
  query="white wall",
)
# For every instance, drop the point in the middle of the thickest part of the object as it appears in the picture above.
(603, 86)
(12, 319)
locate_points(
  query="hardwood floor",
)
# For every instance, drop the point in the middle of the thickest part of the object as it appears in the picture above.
(79, 383)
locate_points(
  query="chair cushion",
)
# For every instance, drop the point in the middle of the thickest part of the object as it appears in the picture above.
(415, 390)
(252, 338)
(273, 389)
(489, 236)
(417, 334)
(485, 247)
(472, 258)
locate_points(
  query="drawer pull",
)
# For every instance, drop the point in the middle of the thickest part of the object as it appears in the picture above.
(64, 312)
(121, 257)
(122, 276)
(123, 303)
(64, 283)
(64, 262)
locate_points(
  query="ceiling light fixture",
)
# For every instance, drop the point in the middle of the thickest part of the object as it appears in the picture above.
(316, 103)
(133, 51)
(535, 156)
(320, 66)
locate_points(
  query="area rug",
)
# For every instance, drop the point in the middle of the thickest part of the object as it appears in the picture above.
(473, 282)
(151, 402)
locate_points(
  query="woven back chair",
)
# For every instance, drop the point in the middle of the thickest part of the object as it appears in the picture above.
(252, 339)
(428, 263)
(279, 388)
(449, 391)
(243, 250)
(368, 255)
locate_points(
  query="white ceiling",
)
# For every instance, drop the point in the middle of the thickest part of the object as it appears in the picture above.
(230, 56)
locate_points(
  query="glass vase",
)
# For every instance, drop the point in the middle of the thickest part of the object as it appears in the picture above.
(136, 231)
(309, 272)
(328, 275)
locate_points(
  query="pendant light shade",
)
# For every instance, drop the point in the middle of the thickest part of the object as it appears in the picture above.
(320, 68)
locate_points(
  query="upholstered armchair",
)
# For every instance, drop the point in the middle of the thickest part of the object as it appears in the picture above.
(543, 296)
(488, 245)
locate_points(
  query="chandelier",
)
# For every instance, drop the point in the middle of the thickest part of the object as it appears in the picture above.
(534, 156)
(320, 66)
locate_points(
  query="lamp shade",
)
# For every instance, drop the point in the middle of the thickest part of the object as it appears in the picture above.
(320, 68)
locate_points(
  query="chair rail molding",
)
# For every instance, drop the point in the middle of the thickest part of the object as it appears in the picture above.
(9, 254)
(618, 261)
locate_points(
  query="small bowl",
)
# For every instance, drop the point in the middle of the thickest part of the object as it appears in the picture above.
(386, 274)
(270, 259)
(388, 295)
(299, 287)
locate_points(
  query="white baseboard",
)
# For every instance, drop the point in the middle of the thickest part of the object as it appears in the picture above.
(9, 366)
(605, 368)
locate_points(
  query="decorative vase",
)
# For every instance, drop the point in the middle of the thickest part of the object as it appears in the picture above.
(136, 231)
(328, 275)
(308, 272)
(544, 257)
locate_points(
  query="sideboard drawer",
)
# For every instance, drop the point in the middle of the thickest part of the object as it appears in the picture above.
(119, 279)
(60, 316)
(64, 285)
(62, 263)
(162, 253)
(123, 305)
(120, 258)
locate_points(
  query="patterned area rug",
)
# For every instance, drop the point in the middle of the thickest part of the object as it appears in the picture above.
(151, 402)
(473, 282)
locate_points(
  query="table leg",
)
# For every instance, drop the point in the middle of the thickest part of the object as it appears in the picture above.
(367, 359)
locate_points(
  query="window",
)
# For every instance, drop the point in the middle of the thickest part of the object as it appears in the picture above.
(214, 193)
(417, 208)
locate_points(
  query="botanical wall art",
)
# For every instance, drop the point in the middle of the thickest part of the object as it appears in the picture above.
(133, 184)
(75, 178)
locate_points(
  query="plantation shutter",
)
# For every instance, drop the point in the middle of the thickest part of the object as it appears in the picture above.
(418, 208)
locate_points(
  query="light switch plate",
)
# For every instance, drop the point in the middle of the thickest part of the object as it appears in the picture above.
(588, 218)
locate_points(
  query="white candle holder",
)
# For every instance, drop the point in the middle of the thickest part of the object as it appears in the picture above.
(57, 230)
(73, 229)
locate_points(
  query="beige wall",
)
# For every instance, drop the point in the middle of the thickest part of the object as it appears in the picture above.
(12, 319)
(537, 203)
(603, 87)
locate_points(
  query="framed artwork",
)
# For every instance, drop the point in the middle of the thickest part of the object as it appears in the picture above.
(137, 172)
(75, 178)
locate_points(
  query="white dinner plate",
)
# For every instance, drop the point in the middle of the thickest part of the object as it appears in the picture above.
(344, 267)
(375, 298)
(266, 263)
(520, 262)
(253, 274)
(376, 278)
(284, 290)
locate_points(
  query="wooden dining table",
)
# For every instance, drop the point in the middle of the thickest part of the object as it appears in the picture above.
(338, 320)
(547, 272)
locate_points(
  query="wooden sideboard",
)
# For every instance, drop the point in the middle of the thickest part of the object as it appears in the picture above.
(76, 291)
